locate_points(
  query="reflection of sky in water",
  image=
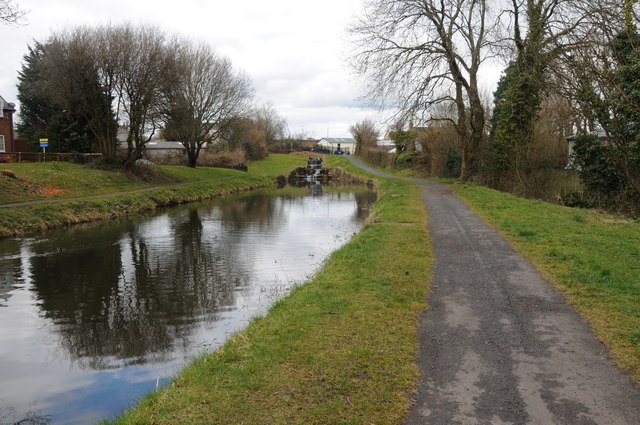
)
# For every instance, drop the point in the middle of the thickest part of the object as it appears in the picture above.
(91, 318)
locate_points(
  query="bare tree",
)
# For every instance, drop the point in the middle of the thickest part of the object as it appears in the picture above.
(11, 13)
(267, 120)
(145, 69)
(417, 54)
(365, 134)
(208, 94)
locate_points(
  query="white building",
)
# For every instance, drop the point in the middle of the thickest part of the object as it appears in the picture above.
(345, 144)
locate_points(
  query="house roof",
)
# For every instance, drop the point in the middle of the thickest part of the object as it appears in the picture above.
(336, 140)
(6, 106)
(163, 144)
(386, 142)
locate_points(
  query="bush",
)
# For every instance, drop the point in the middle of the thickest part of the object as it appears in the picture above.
(452, 162)
(376, 157)
(222, 159)
(172, 158)
(578, 200)
(108, 163)
(592, 158)
(402, 160)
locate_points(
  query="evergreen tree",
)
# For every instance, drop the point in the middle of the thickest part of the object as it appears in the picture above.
(516, 106)
(66, 108)
(35, 108)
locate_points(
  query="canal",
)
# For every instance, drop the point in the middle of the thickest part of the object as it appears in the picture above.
(94, 317)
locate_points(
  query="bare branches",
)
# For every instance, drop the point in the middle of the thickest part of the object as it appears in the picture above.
(144, 78)
(207, 94)
(10, 13)
(419, 53)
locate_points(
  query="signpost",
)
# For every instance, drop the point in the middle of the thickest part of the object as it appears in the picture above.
(44, 144)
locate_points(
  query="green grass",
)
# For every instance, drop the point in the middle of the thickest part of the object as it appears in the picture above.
(411, 173)
(593, 258)
(71, 179)
(76, 180)
(340, 349)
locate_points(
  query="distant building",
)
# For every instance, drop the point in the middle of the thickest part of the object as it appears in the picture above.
(162, 148)
(332, 144)
(6, 125)
(387, 145)
(154, 149)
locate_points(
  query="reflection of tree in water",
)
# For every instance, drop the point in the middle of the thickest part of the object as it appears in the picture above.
(124, 294)
(138, 291)
(9, 268)
(34, 419)
(364, 201)
(252, 210)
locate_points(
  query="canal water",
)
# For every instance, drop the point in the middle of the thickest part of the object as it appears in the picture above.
(93, 318)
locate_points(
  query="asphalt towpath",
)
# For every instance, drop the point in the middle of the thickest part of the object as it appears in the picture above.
(498, 344)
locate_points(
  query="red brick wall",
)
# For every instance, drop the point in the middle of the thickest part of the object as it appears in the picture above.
(6, 129)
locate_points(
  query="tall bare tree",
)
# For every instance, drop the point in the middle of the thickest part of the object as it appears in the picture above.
(267, 120)
(146, 69)
(132, 66)
(417, 54)
(206, 95)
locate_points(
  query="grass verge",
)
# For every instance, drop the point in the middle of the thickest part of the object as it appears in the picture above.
(593, 258)
(340, 349)
(71, 180)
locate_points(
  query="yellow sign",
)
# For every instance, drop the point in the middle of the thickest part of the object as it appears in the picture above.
(44, 140)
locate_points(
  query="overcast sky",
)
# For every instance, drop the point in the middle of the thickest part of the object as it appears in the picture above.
(295, 51)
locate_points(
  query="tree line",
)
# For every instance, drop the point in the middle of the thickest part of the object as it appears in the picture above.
(81, 85)
(572, 67)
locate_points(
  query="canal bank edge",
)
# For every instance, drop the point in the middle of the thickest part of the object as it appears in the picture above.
(47, 214)
(339, 349)
(30, 218)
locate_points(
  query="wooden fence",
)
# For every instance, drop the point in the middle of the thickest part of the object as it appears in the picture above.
(47, 157)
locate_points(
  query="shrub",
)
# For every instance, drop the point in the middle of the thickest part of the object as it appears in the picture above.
(172, 158)
(595, 165)
(108, 163)
(222, 159)
(376, 157)
(402, 160)
(452, 162)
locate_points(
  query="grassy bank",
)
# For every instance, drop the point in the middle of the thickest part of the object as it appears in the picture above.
(338, 350)
(43, 181)
(593, 258)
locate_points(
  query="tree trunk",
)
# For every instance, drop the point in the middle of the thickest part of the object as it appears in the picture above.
(192, 154)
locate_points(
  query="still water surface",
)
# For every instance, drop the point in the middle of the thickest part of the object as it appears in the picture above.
(92, 318)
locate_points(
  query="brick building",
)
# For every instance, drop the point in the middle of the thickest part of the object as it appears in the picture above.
(6, 126)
